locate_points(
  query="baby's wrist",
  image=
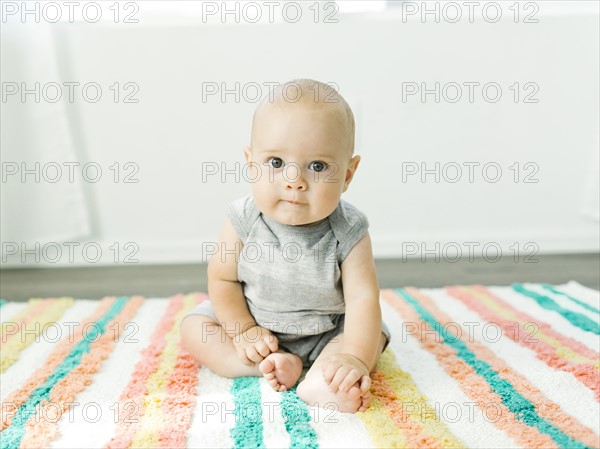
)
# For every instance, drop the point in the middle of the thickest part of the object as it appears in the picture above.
(363, 364)
(244, 329)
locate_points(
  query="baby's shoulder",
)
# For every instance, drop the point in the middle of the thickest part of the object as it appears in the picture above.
(346, 216)
(349, 225)
(243, 213)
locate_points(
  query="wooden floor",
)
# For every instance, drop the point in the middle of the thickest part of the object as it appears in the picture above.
(162, 281)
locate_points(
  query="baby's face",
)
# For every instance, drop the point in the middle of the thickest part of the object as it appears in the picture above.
(301, 162)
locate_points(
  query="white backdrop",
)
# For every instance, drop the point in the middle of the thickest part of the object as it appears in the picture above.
(170, 134)
(36, 132)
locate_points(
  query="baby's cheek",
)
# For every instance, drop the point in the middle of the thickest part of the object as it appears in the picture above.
(331, 190)
(264, 183)
(328, 200)
(261, 197)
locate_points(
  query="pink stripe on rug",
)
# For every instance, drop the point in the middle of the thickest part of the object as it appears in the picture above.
(32, 310)
(544, 407)
(584, 372)
(39, 433)
(414, 432)
(470, 382)
(179, 404)
(20, 396)
(135, 392)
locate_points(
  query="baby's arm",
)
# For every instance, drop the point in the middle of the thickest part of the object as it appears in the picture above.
(362, 329)
(228, 301)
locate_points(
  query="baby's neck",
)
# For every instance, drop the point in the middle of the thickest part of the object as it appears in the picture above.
(305, 225)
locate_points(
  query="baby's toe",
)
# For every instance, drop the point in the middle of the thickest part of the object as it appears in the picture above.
(267, 366)
(354, 392)
(366, 402)
(274, 384)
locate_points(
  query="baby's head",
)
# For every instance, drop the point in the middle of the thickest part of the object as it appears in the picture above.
(301, 152)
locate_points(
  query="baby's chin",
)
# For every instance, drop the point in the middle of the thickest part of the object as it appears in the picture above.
(293, 219)
(284, 212)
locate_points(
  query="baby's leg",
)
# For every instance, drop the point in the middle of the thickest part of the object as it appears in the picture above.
(315, 391)
(206, 340)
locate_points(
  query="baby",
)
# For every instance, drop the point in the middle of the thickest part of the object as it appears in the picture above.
(293, 284)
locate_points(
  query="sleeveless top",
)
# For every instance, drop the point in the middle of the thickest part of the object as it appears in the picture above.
(290, 274)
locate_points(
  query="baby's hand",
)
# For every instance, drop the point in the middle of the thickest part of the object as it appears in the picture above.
(255, 344)
(342, 371)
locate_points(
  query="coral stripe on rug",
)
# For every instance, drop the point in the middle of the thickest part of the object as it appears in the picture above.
(467, 366)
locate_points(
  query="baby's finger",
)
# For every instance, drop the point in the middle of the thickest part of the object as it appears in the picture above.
(329, 371)
(272, 342)
(243, 357)
(351, 378)
(365, 384)
(253, 355)
(339, 377)
(262, 348)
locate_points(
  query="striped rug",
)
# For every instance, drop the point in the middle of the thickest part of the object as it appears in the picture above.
(468, 366)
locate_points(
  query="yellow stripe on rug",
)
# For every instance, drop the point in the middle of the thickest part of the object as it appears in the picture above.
(152, 415)
(389, 424)
(39, 312)
(562, 350)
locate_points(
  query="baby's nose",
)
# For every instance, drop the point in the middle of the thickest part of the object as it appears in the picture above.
(295, 184)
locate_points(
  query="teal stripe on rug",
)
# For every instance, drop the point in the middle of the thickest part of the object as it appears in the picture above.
(575, 300)
(576, 319)
(516, 403)
(12, 435)
(2, 302)
(248, 429)
(297, 420)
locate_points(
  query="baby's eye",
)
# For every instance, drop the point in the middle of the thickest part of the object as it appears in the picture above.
(317, 166)
(275, 162)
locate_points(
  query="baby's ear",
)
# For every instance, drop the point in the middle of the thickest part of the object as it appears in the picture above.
(248, 154)
(352, 166)
(354, 162)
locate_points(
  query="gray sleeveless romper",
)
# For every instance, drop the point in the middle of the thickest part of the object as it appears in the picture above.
(291, 275)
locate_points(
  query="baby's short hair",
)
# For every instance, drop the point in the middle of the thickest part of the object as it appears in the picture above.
(308, 91)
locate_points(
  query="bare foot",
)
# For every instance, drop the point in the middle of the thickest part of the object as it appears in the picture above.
(315, 391)
(365, 401)
(281, 369)
(365, 393)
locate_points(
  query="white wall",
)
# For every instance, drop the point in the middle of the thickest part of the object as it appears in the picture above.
(170, 132)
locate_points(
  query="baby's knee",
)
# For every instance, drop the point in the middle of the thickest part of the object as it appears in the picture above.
(192, 336)
(187, 327)
(188, 343)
